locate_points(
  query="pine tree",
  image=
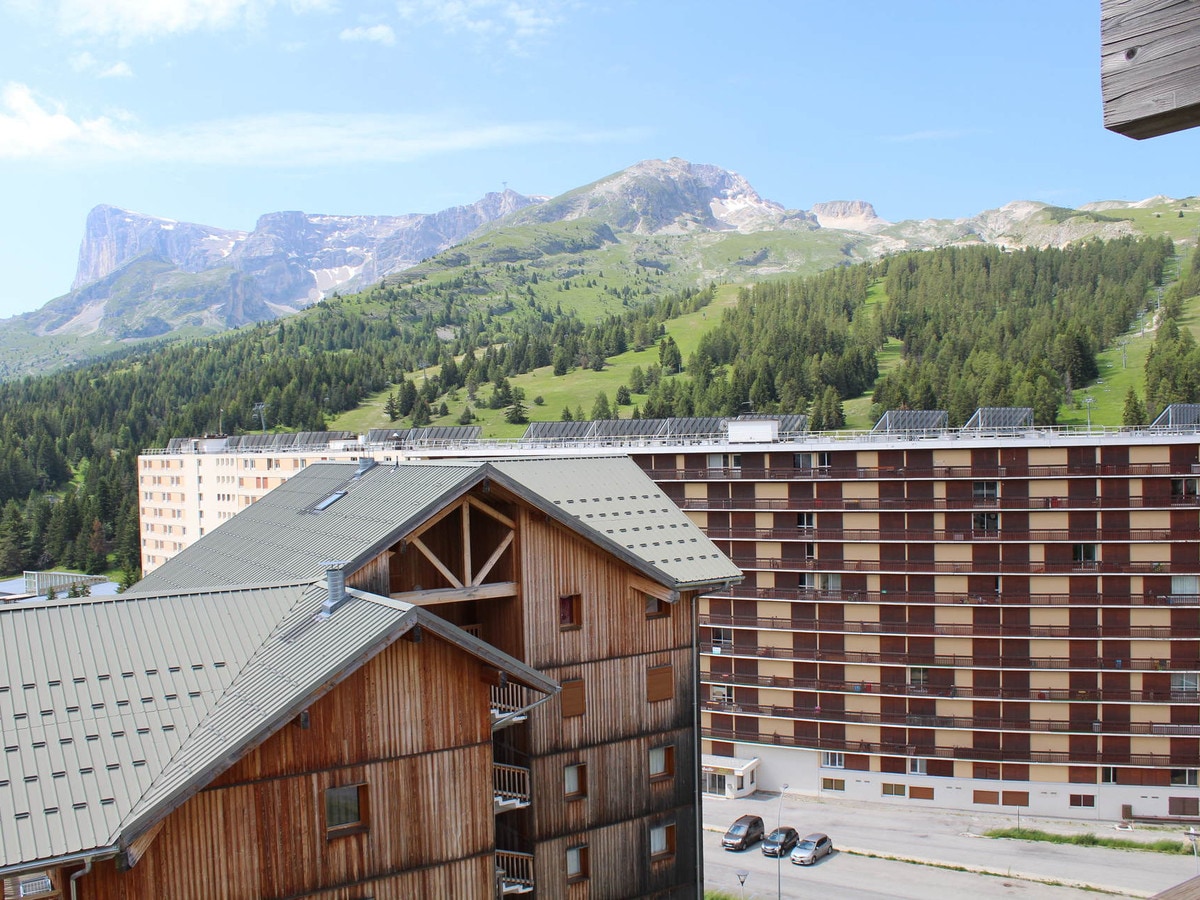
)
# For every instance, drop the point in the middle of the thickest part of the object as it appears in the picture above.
(1135, 412)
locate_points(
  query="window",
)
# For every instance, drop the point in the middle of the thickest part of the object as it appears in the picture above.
(662, 762)
(1084, 555)
(916, 766)
(1108, 775)
(577, 863)
(1185, 682)
(810, 551)
(985, 490)
(569, 612)
(1184, 777)
(894, 790)
(829, 581)
(918, 679)
(806, 521)
(833, 784)
(660, 683)
(722, 639)
(573, 698)
(720, 693)
(662, 841)
(831, 759)
(1183, 488)
(1183, 806)
(656, 608)
(986, 522)
(345, 810)
(575, 781)
(1083, 801)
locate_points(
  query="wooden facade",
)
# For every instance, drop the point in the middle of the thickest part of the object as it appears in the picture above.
(405, 779)
(412, 725)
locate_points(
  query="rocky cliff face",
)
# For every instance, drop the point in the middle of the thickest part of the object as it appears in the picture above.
(849, 215)
(290, 260)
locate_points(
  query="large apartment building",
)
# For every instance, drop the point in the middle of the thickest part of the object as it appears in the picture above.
(998, 615)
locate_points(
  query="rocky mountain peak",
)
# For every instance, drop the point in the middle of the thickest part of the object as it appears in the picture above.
(848, 215)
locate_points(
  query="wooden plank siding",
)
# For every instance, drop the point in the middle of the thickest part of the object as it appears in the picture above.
(619, 653)
(412, 725)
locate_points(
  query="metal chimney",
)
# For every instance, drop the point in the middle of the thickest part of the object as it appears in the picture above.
(335, 579)
(365, 465)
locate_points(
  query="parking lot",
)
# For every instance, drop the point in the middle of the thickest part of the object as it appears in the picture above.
(935, 845)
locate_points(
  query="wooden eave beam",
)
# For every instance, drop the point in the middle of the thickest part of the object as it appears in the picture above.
(451, 595)
(493, 559)
(1150, 66)
(491, 511)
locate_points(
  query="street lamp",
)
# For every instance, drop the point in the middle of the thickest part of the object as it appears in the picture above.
(742, 875)
(1192, 835)
(779, 856)
(1088, 401)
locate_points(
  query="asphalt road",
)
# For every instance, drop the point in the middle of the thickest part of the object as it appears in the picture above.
(938, 839)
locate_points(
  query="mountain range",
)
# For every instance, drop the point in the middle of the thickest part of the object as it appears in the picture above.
(140, 277)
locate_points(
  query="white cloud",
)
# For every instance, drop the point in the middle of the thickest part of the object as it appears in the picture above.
(85, 63)
(29, 129)
(130, 20)
(33, 129)
(379, 34)
(116, 70)
(513, 22)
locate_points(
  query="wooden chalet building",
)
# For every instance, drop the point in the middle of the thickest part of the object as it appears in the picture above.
(448, 679)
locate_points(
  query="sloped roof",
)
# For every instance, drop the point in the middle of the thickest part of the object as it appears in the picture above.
(284, 536)
(114, 710)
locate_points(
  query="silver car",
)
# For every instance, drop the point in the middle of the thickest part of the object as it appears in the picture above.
(811, 848)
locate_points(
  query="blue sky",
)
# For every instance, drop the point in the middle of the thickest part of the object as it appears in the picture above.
(216, 111)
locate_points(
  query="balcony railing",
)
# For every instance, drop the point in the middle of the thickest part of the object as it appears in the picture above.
(511, 787)
(918, 504)
(931, 629)
(947, 660)
(514, 871)
(955, 535)
(969, 723)
(966, 692)
(916, 473)
(1180, 760)
(910, 598)
(966, 566)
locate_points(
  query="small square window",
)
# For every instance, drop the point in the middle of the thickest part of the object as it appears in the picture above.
(916, 766)
(1083, 800)
(662, 762)
(662, 841)
(577, 863)
(833, 784)
(894, 790)
(656, 608)
(575, 781)
(833, 760)
(345, 810)
(570, 615)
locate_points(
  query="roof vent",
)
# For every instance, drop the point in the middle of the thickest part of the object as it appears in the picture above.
(335, 578)
(365, 465)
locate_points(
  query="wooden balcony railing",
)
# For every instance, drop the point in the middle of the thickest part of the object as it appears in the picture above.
(915, 473)
(919, 504)
(515, 871)
(955, 535)
(511, 786)
(965, 567)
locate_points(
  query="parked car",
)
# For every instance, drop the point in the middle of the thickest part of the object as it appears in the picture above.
(780, 841)
(812, 848)
(743, 833)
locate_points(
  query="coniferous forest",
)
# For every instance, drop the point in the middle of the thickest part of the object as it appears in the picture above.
(978, 326)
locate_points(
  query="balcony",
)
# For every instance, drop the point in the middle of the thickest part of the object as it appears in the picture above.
(510, 786)
(514, 872)
(906, 598)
